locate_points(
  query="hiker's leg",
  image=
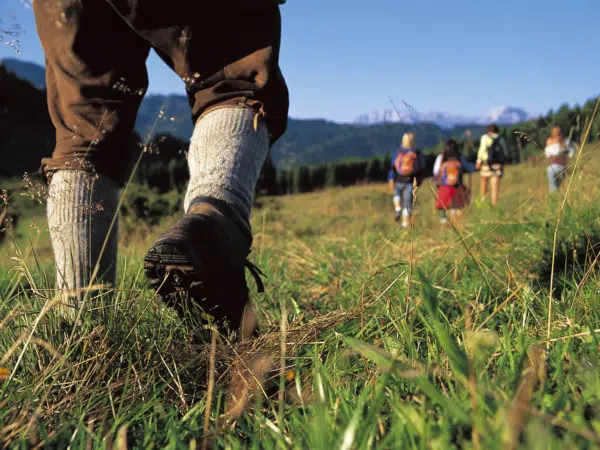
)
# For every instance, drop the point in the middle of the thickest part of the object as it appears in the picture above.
(407, 200)
(398, 198)
(562, 175)
(225, 158)
(483, 186)
(494, 189)
(443, 217)
(228, 56)
(81, 207)
(559, 180)
(240, 112)
(230, 65)
(96, 76)
(551, 175)
(407, 204)
(456, 214)
(555, 175)
(398, 188)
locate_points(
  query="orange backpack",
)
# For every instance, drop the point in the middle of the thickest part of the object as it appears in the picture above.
(451, 173)
(406, 163)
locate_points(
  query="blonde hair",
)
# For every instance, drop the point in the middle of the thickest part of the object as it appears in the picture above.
(408, 140)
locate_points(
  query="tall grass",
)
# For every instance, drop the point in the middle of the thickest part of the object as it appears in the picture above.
(373, 337)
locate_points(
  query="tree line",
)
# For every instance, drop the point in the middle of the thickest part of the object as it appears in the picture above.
(25, 125)
(164, 168)
(164, 165)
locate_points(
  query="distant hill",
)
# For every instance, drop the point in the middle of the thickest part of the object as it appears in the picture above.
(26, 133)
(28, 71)
(177, 104)
(305, 142)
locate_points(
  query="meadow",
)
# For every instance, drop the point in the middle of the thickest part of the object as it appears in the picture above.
(483, 336)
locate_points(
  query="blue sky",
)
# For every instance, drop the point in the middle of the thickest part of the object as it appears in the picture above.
(345, 58)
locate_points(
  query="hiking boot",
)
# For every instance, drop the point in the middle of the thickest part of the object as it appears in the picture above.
(398, 217)
(202, 258)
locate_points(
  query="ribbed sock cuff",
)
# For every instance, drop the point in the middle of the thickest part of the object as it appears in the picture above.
(227, 151)
(80, 208)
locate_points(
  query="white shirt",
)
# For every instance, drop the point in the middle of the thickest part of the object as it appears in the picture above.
(559, 150)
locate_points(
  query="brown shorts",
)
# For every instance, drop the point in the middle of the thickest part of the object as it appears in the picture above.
(227, 53)
(495, 170)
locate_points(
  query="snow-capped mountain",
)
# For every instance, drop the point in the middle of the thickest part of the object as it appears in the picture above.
(508, 115)
(501, 115)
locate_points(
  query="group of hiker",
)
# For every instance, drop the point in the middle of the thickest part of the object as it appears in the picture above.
(408, 166)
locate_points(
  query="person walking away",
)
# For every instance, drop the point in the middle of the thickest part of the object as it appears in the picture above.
(407, 164)
(228, 57)
(453, 195)
(490, 159)
(558, 151)
(440, 158)
(464, 161)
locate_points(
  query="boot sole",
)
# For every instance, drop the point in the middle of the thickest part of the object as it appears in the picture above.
(171, 268)
(179, 275)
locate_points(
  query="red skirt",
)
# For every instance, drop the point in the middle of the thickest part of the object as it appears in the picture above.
(450, 197)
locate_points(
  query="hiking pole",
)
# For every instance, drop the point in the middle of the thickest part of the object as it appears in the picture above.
(395, 108)
(470, 147)
(412, 127)
(467, 133)
(415, 119)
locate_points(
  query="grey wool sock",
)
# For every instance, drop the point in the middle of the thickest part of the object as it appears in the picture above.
(81, 207)
(226, 156)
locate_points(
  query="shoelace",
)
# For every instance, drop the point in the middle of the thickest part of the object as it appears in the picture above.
(257, 274)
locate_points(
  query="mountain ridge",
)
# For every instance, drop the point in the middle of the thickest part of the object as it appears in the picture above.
(306, 141)
(501, 115)
(26, 70)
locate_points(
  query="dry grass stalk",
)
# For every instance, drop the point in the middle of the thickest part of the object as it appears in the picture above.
(211, 387)
(533, 372)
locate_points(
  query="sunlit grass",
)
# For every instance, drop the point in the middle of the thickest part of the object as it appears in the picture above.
(467, 362)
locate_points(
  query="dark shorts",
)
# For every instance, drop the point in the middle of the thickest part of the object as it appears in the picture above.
(227, 53)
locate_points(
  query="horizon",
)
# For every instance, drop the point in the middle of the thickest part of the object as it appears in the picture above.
(407, 117)
(472, 121)
(328, 81)
(355, 121)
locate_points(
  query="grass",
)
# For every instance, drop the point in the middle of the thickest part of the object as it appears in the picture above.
(464, 361)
